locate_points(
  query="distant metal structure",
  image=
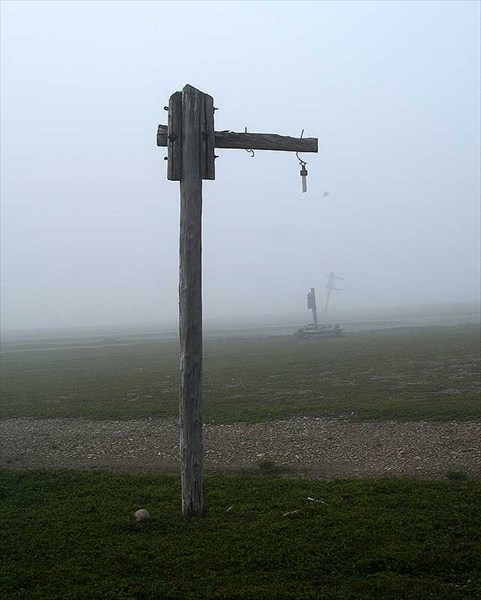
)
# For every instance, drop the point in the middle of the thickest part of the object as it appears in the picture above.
(330, 287)
(314, 329)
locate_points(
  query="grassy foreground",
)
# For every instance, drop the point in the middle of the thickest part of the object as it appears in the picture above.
(430, 373)
(69, 535)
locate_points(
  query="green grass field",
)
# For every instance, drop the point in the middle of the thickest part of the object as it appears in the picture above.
(410, 374)
(70, 535)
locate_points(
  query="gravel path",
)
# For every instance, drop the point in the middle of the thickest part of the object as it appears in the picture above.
(315, 447)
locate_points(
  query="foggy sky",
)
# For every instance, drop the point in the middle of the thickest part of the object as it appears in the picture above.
(90, 222)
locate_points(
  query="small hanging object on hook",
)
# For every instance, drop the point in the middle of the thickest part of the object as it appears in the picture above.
(303, 172)
(251, 152)
(303, 175)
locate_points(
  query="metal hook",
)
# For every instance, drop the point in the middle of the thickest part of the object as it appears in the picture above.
(251, 152)
(301, 162)
(303, 173)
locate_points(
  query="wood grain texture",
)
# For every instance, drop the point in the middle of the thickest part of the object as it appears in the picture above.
(162, 135)
(207, 161)
(190, 307)
(264, 141)
(174, 138)
(253, 141)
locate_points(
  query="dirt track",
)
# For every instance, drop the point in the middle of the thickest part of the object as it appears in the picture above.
(323, 448)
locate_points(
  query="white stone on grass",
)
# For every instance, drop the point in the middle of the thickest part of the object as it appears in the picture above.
(141, 515)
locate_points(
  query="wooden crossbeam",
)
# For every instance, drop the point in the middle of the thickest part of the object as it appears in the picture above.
(252, 141)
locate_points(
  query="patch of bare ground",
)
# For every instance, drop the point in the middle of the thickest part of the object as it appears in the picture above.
(311, 447)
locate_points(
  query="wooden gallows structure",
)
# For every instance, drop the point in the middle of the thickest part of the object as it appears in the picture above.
(191, 140)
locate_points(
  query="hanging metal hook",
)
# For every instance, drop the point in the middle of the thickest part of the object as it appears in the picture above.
(301, 162)
(303, 172)
(251, 152)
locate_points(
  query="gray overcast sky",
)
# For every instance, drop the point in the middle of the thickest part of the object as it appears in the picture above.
(90, 223)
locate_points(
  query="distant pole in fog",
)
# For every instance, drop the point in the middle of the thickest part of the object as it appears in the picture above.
(191, 140)
(330, 287)
(311, 303)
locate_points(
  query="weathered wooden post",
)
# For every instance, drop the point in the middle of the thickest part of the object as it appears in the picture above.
(190, 139)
